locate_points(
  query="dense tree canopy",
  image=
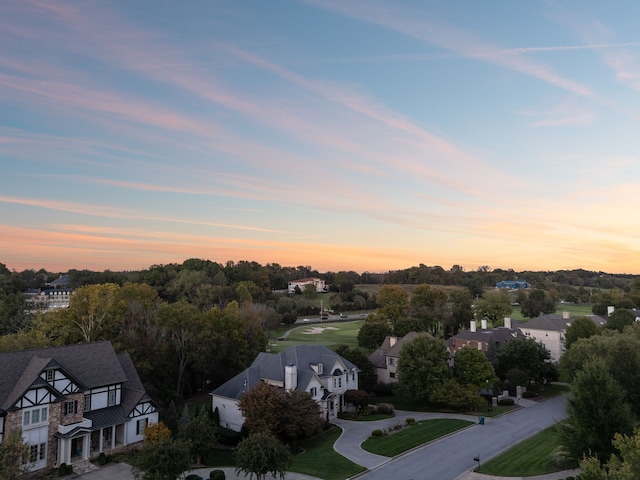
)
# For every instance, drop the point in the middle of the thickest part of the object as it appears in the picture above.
(494, 306)
(525, 355)
(472, 368)
(536, 303)
(581, 327)
(422, 366)
(261, 454)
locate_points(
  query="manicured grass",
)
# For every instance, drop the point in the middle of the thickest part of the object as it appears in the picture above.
(400, 402)
(575, 310)
(527, 458)
(331, 334)
(412, 436)
(319, 459)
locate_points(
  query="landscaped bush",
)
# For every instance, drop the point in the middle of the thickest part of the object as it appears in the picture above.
(529, 394)
(347, 415)
(102, 459)
(62, 470)
(506, 401)
(216, 475)
(561, 459)
(69, 469)
(377, 433)
(193, 476)
(411, 421)
(384, 408)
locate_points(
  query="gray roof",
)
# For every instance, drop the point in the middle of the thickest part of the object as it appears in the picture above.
(271, 366)
(133, 391)
(391, 347)
(105, 417)
(555, 322)
(90, 365)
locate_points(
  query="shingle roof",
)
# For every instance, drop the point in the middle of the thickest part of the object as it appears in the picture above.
(132, 390)
(391, 347)
(555, 322)
(271, 366)
(84, 363)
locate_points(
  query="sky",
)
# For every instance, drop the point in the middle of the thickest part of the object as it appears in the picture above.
(341, 135)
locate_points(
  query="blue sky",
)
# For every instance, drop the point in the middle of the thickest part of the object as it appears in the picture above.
(344, 135)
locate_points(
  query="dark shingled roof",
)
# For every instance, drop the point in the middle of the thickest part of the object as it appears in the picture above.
(555, 322)
(132, 390)
(84, 363)
(379, 357)
(271, 366)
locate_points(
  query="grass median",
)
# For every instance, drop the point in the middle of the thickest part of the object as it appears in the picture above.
(527, 458)
(412, 436)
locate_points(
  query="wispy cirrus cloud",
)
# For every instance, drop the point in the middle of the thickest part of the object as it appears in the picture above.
(419, 25)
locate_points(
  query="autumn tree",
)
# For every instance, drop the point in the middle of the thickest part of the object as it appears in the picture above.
(528, 356)
(423, 366)
(261, 454)
(393, 301)
(156, 432)
(494, 306)
(91, 311)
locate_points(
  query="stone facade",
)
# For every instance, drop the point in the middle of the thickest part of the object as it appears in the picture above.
(54, 421)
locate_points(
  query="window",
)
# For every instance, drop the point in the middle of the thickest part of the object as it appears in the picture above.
(313, 391)
(50, 375)
(111, 399)
(141, 425)
(35, 416)
(392, 374)
(339, 382)
(87, 403)
(70, 407)
(33, 453)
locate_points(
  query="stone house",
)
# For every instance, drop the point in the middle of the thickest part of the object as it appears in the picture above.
(73, 402)
(385, 359)
(311, 368)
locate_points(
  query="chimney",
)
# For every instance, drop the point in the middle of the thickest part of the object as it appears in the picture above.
(290, 377)
(483, 322)
(507, 323)
(565, 315)
(472, 325)
(610, 310)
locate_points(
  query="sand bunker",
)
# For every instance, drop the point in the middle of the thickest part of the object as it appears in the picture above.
(317, 330)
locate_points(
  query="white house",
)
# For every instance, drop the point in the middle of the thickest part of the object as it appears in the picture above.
(549, 330)
(73, 402)
(303, 282)
(311, 368)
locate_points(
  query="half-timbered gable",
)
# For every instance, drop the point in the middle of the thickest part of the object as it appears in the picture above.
(73, 402)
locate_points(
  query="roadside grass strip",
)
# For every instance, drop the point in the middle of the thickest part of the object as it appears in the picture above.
(320, 460)
(408, 437)
(527, 458)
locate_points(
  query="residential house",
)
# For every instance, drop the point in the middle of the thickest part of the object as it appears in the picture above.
(549, 330)
(311, 368)
(481, 338)
(385, 359)
(303, 282)
(73, 402)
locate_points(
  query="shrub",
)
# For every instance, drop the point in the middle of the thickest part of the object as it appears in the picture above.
(62, 470)
(384, 408)
(193, 476)
(377, 433)
(216, 475)
(346, 415)
(411, 421)
(570, 478)
(506, 401)
(102, 459)
(561, 458)
(529, 394)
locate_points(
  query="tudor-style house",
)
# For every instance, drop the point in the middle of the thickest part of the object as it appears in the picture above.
(73, 402)
(311, 368)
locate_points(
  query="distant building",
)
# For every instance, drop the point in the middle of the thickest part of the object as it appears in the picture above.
(513, 284)
(303, 282)
(49, 299)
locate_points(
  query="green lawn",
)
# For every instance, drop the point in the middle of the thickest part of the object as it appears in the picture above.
(321, 460)
(330, 334)
(528, 458)
(412, 436)
(573, 309)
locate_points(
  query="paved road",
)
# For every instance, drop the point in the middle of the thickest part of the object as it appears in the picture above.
(452, 457)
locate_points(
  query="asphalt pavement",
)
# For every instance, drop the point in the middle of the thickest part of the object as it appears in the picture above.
(448, 458)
